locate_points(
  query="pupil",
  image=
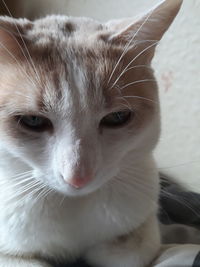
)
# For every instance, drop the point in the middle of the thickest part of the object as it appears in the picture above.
(34, 120)
(117, 117)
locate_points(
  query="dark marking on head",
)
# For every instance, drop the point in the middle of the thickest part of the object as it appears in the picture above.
(29, 26)
(99, 27)
(123, 238)
(57, 85)
(104, 36)
(69, 27)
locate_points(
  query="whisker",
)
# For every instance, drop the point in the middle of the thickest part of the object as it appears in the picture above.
(20, 68)
(31, 194)
(43, 190)
(138, 55)
(138, 66)
(141, 98)
(30, 58)
(13, 36)
(127, 106)
(125, 189)
(62, 200)
(136, 183)
(179, 165)
(44, 193)
(23, 192)
(19, 180)
(27, 185)
(13, 183)
(136, 179)
(21, 174)
(136, 82)
(129, 43)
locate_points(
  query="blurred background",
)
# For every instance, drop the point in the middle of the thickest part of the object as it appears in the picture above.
(177, 68)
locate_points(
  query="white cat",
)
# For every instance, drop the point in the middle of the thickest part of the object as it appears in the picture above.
(79, 118)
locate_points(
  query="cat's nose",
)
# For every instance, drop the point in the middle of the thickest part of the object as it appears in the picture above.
(78, 182)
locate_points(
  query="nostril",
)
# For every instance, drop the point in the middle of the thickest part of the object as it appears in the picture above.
(78, 182)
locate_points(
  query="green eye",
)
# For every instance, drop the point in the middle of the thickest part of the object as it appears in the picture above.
(116, 119)
(34, 123)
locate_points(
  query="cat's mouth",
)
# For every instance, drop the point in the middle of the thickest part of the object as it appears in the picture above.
(78, 186)
(79, 182)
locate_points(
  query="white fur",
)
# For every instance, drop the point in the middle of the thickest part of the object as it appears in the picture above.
(56, 227)
(69, 228)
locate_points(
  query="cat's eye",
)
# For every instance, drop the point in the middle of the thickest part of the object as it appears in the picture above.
(34, 123)
(116, 119)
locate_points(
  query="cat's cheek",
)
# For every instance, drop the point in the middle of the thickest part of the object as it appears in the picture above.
(29, 149)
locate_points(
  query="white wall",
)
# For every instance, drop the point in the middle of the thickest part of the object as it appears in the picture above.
(177, 65)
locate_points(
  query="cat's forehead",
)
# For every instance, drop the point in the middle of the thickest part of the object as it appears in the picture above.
(70, 64)
(64, 28)
(73, 63)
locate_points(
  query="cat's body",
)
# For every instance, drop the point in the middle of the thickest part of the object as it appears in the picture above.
(79, 121)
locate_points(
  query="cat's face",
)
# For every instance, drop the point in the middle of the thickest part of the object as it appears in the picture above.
(78, 100)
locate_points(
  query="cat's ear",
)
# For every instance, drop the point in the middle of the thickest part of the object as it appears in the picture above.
(12, 38)
(146, 30)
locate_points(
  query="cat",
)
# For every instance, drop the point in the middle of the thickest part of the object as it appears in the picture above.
(79, 119)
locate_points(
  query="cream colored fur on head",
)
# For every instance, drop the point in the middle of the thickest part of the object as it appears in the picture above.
(79, 118)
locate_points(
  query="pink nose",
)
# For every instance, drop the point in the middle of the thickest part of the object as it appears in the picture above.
(78, 183)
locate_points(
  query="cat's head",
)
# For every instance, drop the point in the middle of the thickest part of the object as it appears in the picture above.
(78, 96)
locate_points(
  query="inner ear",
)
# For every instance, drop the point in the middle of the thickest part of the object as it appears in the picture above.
(13, 38)
(148, 29)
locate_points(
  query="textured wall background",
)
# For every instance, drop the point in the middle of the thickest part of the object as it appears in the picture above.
(177, 65)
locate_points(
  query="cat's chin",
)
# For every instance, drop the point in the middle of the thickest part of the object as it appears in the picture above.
(70, 191)
(73, 192)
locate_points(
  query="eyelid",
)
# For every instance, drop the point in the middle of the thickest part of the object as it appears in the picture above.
(107, 122)
(47, 126)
